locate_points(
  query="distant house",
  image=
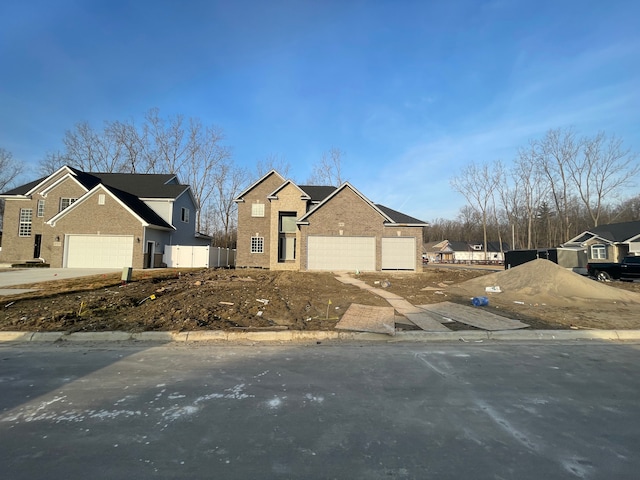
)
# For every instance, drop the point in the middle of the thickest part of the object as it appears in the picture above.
(73, 218)
(285, 226)
(608, 243)
(446, 251)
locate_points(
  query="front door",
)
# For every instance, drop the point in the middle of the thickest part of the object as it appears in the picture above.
(36, 246)
(149, 255)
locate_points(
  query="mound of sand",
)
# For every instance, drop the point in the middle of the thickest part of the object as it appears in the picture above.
(542, 281)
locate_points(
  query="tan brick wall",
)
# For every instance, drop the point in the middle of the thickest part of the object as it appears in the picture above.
(288, 201)
(347, 214)
(19, 249)
(249, 226)
(113, 219)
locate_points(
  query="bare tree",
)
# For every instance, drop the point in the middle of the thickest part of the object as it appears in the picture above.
(601, 171)
(52, 161)
(273, 162)
(134, 146)
(533, 187)
(627, 210)
(222, 209)
(470, 220)
(93, 151)
(169, 148)
(10, 169)
(478, 183)
(556, 151)
(188, 148)
(204, 161)
(329, 170)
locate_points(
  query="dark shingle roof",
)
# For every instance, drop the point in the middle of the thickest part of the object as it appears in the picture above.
(140, 208)
(617, 232)
(399, 217)
(23, 189)
(142, 185)
(128, 187)
(317, 193)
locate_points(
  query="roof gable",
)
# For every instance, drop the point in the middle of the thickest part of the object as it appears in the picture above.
(141, 211)
(240, 198)
(274, 194)
(317, 193)
(612, 233)
(61, 174)
(336, 192)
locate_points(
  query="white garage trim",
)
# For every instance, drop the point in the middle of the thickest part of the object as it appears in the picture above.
(399, 253)
(98, 251)
(341, 253)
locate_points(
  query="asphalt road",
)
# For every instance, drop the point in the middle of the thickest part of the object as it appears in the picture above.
(402, 411)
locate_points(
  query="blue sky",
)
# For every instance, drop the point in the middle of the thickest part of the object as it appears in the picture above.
(410, 91)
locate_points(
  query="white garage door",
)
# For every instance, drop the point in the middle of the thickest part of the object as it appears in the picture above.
(399, 253)
(99, 251)
(342, 253)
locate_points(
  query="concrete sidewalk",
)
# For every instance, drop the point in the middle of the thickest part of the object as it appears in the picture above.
(301, 336)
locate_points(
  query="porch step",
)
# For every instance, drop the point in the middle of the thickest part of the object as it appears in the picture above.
(30, 264)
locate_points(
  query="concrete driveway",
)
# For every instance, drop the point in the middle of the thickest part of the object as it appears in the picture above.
(26, 276)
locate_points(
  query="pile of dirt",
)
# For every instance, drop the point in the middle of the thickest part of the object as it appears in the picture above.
(544, 282)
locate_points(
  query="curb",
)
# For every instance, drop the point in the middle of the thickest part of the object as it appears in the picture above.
(299, 336)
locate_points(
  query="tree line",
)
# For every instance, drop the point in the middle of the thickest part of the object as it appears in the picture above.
(186, 147)
(555, 188)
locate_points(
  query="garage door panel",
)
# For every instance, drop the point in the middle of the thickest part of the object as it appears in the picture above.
(398, 253)
(341, 253)
(99, 251)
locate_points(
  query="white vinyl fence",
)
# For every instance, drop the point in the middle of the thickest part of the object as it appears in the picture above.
(186, 256)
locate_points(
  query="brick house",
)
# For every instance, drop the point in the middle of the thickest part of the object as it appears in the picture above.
(73, 218)
(284, 226)
(608, 243)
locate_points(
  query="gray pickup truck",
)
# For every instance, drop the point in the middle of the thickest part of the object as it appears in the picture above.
(628, 270)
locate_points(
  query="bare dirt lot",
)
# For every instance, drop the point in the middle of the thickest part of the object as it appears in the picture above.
(172, 300)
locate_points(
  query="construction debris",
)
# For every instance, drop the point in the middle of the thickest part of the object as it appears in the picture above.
(475, 317)
(365, 318)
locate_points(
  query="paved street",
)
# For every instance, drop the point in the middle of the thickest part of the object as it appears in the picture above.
(367, 411)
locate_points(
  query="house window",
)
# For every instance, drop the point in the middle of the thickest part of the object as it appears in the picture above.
(185, 215)
(598, 252)
(40, 211)
(257, 210)
(66, 202)
(257, 244)
(26, 215)
(288, 223)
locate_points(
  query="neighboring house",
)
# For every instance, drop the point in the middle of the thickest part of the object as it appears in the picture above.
(284, 226)
(608, 243)
(77, 219)
(446, 251)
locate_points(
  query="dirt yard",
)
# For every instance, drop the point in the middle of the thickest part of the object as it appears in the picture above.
(168, 299)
